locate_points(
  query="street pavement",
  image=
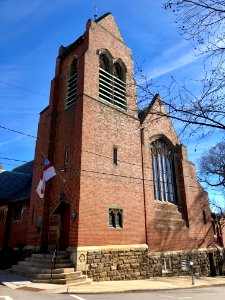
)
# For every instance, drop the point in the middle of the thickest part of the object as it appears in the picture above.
(153, 284)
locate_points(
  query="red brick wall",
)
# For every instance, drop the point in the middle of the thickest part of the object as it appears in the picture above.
(3, 224)
(18, 228)
(103, 184)
(191, 198)
(92, 183)
(36, 203)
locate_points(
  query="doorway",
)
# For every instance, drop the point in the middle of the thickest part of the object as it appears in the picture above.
(63, 211)
(64, 229)
(212, 265)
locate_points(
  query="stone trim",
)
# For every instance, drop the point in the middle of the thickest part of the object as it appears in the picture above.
(79, 255)
(109, 247)
(130, 264)
(211, 249)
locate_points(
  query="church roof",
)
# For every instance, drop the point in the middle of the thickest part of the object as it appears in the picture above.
(16, 185)
(27, 168)
(102, 17)
(64, 51)
(144, 112)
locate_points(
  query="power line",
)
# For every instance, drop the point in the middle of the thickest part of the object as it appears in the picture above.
(6, 158)
(22, 88)
(87, 151)
(13, 130)
(5, 164)
(97, 172)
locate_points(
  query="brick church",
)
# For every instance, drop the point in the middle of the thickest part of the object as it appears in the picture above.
(125, 187)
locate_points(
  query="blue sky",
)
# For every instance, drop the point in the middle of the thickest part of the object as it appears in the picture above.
(31, 34)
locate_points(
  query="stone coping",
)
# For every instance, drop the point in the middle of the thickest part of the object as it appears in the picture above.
(107, 248)
(182, 251)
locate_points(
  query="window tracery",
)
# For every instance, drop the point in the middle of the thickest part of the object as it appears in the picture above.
(163, 171)
(112, 85)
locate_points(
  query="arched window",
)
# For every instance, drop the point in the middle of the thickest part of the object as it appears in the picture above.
(112, 85)
(115, 217)
(163, 171)
(104, 63)
(71, 84)
(118, 71)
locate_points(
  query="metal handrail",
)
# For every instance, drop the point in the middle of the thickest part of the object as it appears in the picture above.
(54, 256)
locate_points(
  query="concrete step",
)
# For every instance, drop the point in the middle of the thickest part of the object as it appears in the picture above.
(67, 276)
(55, 278)
(49, 255)
(44, 265)
(75, 280)
(48, 260)
(36, 270)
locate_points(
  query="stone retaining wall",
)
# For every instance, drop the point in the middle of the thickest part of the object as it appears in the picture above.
(139, 264)
(118, 265)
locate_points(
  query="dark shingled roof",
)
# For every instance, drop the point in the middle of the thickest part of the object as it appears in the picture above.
(11, 183)
(16, 185)
(23, 194)
(26, 168)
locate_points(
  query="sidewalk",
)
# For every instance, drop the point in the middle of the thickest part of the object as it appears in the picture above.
(157, 283)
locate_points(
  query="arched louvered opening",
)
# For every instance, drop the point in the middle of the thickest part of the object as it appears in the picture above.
(119, 85)
(71, 84)
(164, 176)
(112, 86)
(104, 63)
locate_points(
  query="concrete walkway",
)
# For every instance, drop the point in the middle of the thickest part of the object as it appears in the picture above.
(154, 284)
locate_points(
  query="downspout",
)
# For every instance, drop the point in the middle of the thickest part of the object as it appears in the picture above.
(143, 184)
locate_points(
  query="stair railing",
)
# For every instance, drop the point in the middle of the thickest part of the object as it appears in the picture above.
(54, 256)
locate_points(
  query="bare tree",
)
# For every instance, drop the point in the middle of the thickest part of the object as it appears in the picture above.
(212, 166)
(201, 21)
(202, 111)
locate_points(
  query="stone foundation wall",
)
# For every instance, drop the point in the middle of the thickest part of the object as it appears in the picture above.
(118, 265)
(139, 264)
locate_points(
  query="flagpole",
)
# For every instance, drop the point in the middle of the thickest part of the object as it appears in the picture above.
(63, 180)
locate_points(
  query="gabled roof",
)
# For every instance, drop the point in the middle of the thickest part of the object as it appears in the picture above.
(144, 112)
(26, 168)
(16, 185)
(102, 17)
(11, 183)
(64, 51)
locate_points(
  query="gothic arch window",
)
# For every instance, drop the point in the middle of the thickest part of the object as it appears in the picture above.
(112, 83)
(118, 71)
(71, 91)
(116, 217)
(104, 63)
(164, 176)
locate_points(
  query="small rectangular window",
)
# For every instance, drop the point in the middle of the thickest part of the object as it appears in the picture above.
(2, 215)
(32, 216)
(115, 217)
(142, 136)
(166, 264)
(17, 213)
(66, 154)
(115, 155)
(184, 261)
(111, 219)
(204, 217)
